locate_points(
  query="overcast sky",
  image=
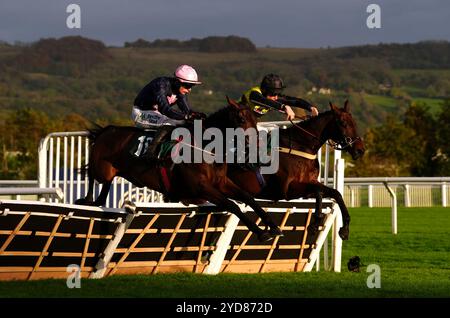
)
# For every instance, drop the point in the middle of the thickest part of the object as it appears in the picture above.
(280, 23)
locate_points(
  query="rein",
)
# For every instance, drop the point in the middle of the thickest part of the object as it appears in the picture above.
(298, 152)
(196, 148)
(303, 129)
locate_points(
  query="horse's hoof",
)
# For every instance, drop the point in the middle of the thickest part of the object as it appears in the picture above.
(276, 231)
(265, 236)
(344, 233)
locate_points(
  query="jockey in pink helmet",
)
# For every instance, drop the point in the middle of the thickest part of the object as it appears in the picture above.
(153, 106)
(187, 74)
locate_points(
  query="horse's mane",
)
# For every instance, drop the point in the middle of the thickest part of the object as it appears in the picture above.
(310, 127)
(313, 120)
(95, 131)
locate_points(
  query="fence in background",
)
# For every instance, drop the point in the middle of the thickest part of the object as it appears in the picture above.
(358, 192)
(409, 191)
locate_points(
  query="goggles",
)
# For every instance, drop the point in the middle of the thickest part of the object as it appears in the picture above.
(187, 85)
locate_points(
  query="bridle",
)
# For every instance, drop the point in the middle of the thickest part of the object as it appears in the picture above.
(342, 144)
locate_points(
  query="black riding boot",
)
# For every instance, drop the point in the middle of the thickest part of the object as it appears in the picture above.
(152, 152)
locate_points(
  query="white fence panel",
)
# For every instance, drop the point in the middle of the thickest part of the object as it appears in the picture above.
(381, 197)
(410, 191)
(421, 195)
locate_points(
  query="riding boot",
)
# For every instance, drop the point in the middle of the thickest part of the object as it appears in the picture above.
(152, 151)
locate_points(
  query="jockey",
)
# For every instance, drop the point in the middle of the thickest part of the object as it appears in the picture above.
(269, 96)
(153, 105)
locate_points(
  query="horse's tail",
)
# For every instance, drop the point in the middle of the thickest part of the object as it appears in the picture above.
(95, 131)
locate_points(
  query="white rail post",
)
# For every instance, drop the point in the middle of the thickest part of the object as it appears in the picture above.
(352, 196)
(42, 175)
(326, 257)
(393, 207)
(370, 195)
(444, 194)
(407, 196)
(43, 164)
(337, 241)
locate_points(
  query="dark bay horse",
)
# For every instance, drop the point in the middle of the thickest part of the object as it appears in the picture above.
(297, 176)
(188, 182)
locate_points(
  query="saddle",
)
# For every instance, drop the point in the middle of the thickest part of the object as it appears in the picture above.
(139, 147)
(141, 142)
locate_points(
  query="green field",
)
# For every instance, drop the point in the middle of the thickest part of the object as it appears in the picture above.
(386, 102)
(390, 103)
(414, 263)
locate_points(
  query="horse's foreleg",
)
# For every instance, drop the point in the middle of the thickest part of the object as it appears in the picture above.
(318, 215)
(307, 190)
(236, 193)
(336, 195)
(216, 197)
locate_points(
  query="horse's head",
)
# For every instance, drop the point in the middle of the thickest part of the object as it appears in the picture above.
(346, 135)
(240, 115)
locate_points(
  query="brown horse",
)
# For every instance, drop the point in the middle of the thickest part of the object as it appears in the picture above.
(297, 176)
(185, 182)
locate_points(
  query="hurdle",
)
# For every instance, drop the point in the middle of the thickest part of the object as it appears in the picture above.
(40, 240)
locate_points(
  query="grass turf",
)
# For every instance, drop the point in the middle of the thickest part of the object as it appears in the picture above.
(414, 263)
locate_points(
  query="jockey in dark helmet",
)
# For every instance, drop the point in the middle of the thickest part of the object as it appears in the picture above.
(269, 96)
(153, 105)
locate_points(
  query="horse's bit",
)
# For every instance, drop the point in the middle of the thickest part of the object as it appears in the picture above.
(344, 143)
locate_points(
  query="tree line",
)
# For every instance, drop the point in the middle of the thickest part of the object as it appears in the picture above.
(414, 144)
(209, 44)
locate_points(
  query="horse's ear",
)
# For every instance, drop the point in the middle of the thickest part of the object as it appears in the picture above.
(346, 106)
(333, 108)
(233, 102)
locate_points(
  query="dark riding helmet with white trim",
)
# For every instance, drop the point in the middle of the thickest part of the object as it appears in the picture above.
(272, 85)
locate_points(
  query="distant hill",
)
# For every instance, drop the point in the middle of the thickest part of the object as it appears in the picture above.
(426, 54)
(83, 76)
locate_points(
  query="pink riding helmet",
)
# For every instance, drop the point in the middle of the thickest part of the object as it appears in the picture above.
(187, 74)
